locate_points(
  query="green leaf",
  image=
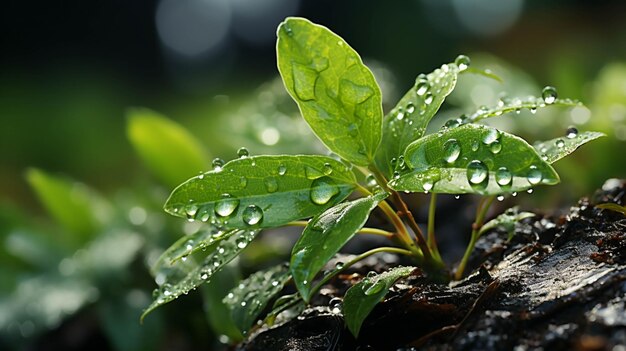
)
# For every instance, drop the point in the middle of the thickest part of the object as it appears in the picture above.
(362, 297)
(483, 72)
(336, 93)
(507, 105)
(204, 239)
(613, 207)
(263, 191)
(325, 235)
(408, 120)
(506, 220)
(73, 205)
(216, 259)
(170, 152)
(247, 300)
(555, 149)
(473, 159)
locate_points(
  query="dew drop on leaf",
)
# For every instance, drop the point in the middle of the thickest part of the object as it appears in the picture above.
(271, 185)
(322, 190)
(422, 87)
(571, 132)
(475, 145)
(477, 174)
(191, 211)
(500, 198)
(328, 169)
(549, 95)
(491, 136)
(451, 150)
(534, 175)
(243, 152)
(282, 170)
(373, 288)
(226, 205)
(217, 163)
(428, 99)
(559, 143)
(410, 108)
(503, 177)
(243, 182)
(462, 62)
(495, 147)
(252, 215)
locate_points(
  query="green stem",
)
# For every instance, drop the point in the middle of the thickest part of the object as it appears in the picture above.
(481, 212)
(358, 258)
(432, 241)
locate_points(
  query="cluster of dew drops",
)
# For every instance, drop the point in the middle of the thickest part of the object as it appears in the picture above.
(322, 190)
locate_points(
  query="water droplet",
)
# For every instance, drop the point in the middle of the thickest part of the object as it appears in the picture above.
(491, 136)
(371, 274)
(475, 145)
(400, 115)
(312, 173)
(463, 62)
(191, 211)
(271, 185)
(374, 288)
(500, 198)
(328, 169)
(204, 276)
(495, 147)
(456, 197)
(252, 215)
(533, 110)
(534, 175)
(339, 265)
(226, 205)
(396, 175)
(422, 87)
(451, 150)
(549, 95)
(353, 129)
(514, 194)
(322, 190)
(428, 99)
(217, 164)
(335, 305)
(428, 186)
(571, 132)
(559, 143)
(477, 174)
(243, 152)
(201, 175)
(282, 170)
(503, 177)
(410, 108)
(243, 182)
(530, 191)
(452, 123)
(370, 180)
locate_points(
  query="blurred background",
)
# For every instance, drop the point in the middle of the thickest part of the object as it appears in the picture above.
(81, 193)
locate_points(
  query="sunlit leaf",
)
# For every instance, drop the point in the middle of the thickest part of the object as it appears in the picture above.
(506, 221)
(248, 299)
(73, 205)
(362, 297)
(337, 95)
(555, 149)
(325, 235)
(263, 191)
(507, 105)
(222, 253)
(167, 149)
(472, 159)
(407, 121)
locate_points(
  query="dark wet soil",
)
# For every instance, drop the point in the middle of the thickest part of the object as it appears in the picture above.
(559, 284)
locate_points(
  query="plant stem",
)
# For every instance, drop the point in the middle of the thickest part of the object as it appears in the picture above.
(364, 230)
(481, 212)
(358, 258)
(432, 241)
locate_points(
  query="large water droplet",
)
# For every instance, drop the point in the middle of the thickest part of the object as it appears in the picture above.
(191, 211)
(495, 147)
(477, 174)
(422, 87)
(374, 288)
(243, 152)
(549, 95)
(503, 177)
(571, 132)
(226, 205)
(428, 99)
(534, 175)
(271, 185)
(410, 108)
(322, 190)
(217, 163)
(370, 180)
(451, 150)
(462, 62)
(491, 136)
(252, 215)
(559, 143)
(282, 170)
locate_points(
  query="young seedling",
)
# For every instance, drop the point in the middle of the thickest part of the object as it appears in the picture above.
(342, 103)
